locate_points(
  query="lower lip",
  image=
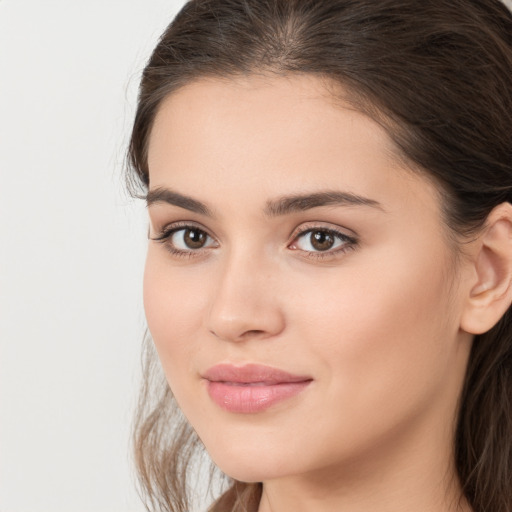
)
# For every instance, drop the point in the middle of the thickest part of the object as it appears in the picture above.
(252, 398)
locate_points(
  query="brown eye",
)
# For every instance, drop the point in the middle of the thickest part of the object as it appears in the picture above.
(321, 240)
(187, 239)
(194, 238)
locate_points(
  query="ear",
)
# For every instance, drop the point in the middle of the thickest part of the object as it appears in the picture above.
(490, 293)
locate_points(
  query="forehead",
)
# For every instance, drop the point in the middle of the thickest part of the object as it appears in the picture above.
(270, 100)
(269, 135)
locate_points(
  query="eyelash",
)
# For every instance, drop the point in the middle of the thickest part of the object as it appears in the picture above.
(348, 242)
(167, 232)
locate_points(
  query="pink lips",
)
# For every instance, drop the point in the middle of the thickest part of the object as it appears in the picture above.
(251, 388)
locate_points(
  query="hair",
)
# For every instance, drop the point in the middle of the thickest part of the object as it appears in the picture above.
(437, 75)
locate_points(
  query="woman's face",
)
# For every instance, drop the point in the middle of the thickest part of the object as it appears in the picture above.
(299, 285)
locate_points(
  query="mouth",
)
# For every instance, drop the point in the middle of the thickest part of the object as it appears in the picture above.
(251, 388)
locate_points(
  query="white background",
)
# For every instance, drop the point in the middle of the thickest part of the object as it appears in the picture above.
(71, 250)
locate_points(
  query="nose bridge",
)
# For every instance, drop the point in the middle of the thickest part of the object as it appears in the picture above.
(244, 304)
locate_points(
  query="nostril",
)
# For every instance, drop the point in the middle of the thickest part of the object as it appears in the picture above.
(236, 319)
(252, 333)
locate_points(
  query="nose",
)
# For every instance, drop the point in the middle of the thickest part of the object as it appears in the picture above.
(244, 302)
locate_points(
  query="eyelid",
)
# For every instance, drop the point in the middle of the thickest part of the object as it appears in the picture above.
(307, 227)
(349, 241)
(167, 232)
(164, 232)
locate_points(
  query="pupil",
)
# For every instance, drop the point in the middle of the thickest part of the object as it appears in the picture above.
(322, 241)
(194, 238)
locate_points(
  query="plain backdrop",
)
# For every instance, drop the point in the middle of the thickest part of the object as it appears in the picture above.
(71, 250)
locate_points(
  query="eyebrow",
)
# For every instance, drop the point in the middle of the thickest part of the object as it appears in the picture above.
(301, 202)
(274, 207)
(165, 195)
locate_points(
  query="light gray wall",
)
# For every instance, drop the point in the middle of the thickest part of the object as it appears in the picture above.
(71, 251)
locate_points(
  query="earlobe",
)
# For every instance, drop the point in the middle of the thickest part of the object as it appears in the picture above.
(490, 293)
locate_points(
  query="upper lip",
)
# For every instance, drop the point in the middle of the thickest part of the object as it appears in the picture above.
(251, 374)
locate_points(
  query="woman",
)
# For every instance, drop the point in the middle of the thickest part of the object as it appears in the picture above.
(329, 272)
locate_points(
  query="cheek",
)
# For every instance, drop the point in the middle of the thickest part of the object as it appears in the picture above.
(384, 332)
(173, 303)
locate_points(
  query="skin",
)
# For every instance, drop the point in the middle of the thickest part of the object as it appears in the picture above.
(376, 322)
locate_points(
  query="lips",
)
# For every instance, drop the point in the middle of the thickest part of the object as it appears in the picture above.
(251, 388)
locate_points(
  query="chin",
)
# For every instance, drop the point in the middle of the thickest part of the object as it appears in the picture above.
(249, 471)
(250, 462)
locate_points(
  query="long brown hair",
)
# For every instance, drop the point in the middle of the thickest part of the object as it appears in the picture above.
(438, 76)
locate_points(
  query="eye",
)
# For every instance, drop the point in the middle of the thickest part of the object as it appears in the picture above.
(190, 239)
(322, 240)
(185, 240)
